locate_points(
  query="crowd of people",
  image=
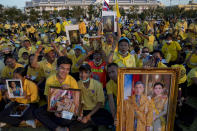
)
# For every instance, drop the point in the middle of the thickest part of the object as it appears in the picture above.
(40, 55)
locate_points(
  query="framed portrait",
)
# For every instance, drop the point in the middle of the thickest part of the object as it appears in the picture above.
(109, 23)
(95, 42)
(60, 100)
(146, 99)
(72, 33)
(15, 88)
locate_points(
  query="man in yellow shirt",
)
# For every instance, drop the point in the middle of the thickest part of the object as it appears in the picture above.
(82, 28)
(31, 97)
(62, 79)
(92, 99)
(171, 50)
(191, 59)
(11, 65)
(58, 28)
(27, 47)
(112, 87)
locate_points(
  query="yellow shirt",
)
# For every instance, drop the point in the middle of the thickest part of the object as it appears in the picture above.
(190, 75)
(58, 28)
(75, 67)
(91, 95)
(111, 88)
(23, 62)
(149, 43)
(182, 75)
(52, 81)
(47, 68)
(7, 72)
(128, 61)
(82, 28)
(193, 27)
(34, 74)
(65, 23)
(138, 37)
(193, 61)
(32, 30)
(171, 50)
(31, 50)
(31, 91)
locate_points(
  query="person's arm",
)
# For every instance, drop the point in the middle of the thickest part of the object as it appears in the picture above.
(85, 57)
(94, 110)
(142, 35)
(34, 93)
(35, 60)
(56, 49)
(112, 105)
(188, 59)
(111, 54)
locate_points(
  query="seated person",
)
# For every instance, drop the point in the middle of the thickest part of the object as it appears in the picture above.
(92, 99)
(30, 91)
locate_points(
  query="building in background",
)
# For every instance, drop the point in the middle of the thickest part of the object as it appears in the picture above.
(192, 5)
(51, 5)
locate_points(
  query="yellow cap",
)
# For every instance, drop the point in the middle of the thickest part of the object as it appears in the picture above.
(47, 49)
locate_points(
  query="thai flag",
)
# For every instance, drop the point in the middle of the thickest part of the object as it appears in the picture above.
(105, 5)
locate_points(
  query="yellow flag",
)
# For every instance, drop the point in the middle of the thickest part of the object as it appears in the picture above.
(117, 10)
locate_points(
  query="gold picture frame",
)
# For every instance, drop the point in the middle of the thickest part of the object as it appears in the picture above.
(127, 78)
(96, 42)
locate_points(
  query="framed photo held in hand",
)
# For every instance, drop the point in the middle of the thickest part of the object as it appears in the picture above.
(109, 23)
(64, 100)
(15, 88)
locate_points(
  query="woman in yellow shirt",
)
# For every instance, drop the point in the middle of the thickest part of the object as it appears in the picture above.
(30, 91)
(191, 59)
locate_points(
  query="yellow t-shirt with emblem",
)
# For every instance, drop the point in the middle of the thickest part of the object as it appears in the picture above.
(128, 61)
(31, 90)
(52, 81)
(182, 75)
(7, 72)
(47, 68)
(91, 95)
(193, 61)
(171, 50)
(190, 75)
(112, 88)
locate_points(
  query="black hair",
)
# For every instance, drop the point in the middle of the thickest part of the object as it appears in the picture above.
(58, 20)
(25, 53)
(63, 60)
(158, 83)
(169, 35)
(158, 51)
(8, 56)
(112, 64)
(20, 70)
(26, 41)
(137, 49)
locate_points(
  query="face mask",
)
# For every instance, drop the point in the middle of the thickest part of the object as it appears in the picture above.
(17, 45)
(187, 51)
(178, 41)
(85, 81)
(122, 53)
(97, 63)
(147, 54)
(168, 41)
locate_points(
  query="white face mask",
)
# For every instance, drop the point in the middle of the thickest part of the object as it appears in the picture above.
(168, 41)
(85, 81)
(178, 41)
(147, 54)
(122, 53)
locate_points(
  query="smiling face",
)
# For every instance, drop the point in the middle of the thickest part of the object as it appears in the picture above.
(158, 90)
(63, 70)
